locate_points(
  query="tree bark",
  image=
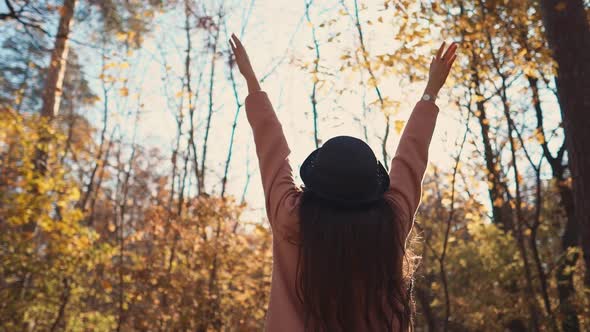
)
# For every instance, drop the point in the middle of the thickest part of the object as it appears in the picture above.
(569, 239)
(501, 211)
(57, 67)
(568, 34)
(424, 299)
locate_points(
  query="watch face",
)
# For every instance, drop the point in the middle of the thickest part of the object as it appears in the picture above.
(426, 97)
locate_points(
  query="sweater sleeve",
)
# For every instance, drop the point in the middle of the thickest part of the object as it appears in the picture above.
(272, 150)
(409, 163)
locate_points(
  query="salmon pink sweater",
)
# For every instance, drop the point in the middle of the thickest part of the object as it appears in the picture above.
(282, 196)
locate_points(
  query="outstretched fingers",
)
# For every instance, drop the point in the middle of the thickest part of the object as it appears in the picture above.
(440, 50)
(237, 42)
(449, 53)
(452, 60)
(233, 46)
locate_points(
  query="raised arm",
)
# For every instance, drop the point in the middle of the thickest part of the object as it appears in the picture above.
(271, 146)
(411, 158)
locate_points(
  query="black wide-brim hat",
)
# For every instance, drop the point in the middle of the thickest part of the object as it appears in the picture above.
(345, 171)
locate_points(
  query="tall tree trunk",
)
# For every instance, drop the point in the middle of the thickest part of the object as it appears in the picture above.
(54, 82)
(57, 66)
(501, 211)
(563, 274)
(519, 225)
(520, 221)
(569, 239)
(497, 188)
(424, 299)
(51, 96)
(568, 34)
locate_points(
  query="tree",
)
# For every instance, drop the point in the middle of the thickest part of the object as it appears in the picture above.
(115, 234)
(57, 64)
(567, 29)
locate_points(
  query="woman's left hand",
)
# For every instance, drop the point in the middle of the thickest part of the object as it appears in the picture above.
(440, 67)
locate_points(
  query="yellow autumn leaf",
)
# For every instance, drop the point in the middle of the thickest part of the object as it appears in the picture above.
(399, 125)
(121, 36)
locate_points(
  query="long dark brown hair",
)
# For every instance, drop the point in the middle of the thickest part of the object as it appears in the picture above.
(350, 271)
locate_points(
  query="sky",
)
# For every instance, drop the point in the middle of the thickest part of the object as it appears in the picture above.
(275, 32)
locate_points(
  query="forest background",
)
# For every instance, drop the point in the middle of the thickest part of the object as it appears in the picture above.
(130, 197)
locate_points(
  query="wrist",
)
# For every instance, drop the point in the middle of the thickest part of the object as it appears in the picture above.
(249, 75)
(253, 84)
(431, 91)
(428, 96)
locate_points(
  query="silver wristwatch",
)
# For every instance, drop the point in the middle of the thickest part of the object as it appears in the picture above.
(428, 97)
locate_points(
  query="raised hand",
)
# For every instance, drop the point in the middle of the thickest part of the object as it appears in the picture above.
(243, 63)
(241, 55)
(440, 67)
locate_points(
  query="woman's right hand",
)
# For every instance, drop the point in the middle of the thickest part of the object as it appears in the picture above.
(440, 67)
(241, 55)
(244, 65)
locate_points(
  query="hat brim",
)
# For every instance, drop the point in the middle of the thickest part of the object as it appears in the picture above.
(306, 168)
(307, 176)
